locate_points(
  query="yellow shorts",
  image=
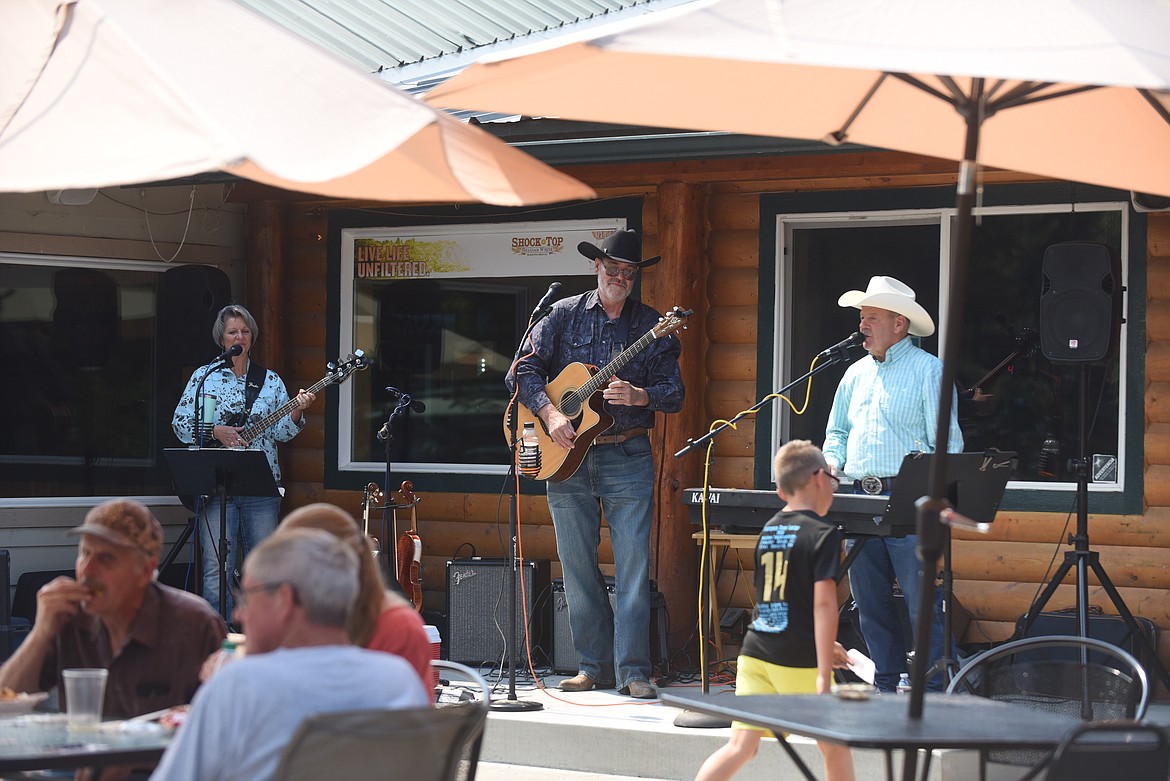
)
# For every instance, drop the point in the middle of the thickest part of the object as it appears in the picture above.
(755, 676)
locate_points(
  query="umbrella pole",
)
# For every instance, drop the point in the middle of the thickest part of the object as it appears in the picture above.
(930, 531)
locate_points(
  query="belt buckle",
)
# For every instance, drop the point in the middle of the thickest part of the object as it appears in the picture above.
(871, 485)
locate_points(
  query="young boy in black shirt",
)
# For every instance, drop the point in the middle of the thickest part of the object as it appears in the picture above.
(791, 646)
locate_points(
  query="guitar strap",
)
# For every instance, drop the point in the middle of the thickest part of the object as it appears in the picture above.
(257, 374)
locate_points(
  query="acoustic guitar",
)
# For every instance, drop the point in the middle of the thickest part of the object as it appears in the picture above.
(576, 392)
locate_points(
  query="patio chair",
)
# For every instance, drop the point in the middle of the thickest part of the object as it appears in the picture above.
(1112, 749)
(423, 744)
(1080, 677)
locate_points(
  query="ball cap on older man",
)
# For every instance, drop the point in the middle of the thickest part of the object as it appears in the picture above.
(126, 523)
(622, 245)
(889, 293)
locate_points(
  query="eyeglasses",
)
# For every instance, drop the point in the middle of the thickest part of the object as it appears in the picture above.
(240, 595)
(613, 271)
(836, 480)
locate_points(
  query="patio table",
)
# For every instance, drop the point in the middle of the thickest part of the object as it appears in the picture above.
(43, 741)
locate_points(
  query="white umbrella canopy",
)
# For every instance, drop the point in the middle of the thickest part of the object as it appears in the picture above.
(1070, 89)
(801, 68)
(96, 93)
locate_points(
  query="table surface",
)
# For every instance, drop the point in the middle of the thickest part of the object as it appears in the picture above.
(42, 741)
(883, 722)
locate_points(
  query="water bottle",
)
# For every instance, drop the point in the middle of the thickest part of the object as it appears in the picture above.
(903, 686)
(227, 654)
(529, 451)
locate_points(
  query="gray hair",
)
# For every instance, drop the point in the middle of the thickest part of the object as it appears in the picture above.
(322, 569)
(227, 313)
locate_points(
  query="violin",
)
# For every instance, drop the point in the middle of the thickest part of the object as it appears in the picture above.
(409, 560)
(370, 501)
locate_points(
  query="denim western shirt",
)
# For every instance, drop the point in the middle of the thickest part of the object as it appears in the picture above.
(579, 331)
(229, 393)
(886, 409)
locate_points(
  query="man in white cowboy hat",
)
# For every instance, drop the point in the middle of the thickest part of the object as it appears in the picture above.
(885, 407)
(617, 474)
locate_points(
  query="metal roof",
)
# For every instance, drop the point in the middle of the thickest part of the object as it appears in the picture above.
(413, 40)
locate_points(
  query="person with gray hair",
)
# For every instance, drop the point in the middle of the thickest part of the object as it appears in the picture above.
(295, 596)
(237, 391)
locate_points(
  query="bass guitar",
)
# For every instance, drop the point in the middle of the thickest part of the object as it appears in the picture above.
(576, 392)
(409, 561)
(336, 374)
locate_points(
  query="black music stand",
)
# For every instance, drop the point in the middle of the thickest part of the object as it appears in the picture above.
(221, 473)
(975, 483)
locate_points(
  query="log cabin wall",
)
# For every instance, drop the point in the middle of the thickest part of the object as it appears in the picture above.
(715, 204)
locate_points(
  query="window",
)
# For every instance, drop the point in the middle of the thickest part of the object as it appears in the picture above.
(1032, 405)
(441, 308)
(84, 403)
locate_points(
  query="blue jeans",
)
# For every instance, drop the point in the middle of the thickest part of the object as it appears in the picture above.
(871, 579)
(619, 481)
(249, 517)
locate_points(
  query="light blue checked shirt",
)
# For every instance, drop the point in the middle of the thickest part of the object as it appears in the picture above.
(884, 410)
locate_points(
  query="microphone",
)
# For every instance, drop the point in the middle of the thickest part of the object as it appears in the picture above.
(546, 302)
(227, 355)
(852, 340)
(407, 400)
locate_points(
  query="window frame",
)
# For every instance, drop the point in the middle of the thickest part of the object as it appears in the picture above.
(780, 210)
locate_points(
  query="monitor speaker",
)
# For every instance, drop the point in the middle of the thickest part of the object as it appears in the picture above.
(477, 610)
(1080, 303)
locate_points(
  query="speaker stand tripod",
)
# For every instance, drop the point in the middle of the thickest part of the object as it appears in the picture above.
(1084, 559)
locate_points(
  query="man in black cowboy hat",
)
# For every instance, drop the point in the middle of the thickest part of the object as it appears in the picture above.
(617, 474)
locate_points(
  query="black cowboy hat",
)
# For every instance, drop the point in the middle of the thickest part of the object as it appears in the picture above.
(624, 246)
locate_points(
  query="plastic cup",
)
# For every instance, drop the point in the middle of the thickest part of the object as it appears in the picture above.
(85, 691)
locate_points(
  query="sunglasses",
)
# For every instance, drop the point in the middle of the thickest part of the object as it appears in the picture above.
(613, 271)
(836, 480)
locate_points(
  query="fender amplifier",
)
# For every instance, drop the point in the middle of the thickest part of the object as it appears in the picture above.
(477, 610)
(1110, 628)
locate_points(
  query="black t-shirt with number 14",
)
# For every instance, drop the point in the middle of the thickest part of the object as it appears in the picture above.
(794, 551)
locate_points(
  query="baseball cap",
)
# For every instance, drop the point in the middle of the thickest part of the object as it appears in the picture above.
(126, 523)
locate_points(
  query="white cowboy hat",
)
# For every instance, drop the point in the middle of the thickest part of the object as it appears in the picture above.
(889, 293)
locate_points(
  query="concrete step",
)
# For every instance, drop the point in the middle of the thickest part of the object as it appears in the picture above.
(605, 735)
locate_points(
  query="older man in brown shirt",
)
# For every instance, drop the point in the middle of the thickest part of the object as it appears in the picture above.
(151, 637)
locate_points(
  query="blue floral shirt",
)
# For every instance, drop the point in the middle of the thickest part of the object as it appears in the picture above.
(578, 330)
(228, 390)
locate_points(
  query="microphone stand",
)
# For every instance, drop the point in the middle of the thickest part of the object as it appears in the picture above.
(390, 549)
(199, 439)
(836, 354)
(511, 703)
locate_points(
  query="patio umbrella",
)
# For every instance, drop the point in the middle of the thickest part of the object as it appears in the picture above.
(95, 93)
(1071, 89)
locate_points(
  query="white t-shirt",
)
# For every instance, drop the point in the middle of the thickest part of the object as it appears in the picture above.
(243, 718)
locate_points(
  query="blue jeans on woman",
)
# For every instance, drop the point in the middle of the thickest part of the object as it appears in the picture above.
(871, 579)
(251, 517)
(617, 479)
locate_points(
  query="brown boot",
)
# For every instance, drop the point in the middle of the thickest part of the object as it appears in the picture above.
(582, 683)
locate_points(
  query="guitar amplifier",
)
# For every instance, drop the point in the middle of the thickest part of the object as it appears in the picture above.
(477, 610)
(564, 657)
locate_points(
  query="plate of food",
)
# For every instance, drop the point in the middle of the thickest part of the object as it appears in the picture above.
(14, 702)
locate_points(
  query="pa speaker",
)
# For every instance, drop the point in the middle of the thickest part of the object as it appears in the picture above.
(189, 298)
(477, 610)
(1080, 303)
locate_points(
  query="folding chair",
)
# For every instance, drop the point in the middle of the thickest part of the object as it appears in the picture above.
(1112, 749)
(423, 744)
(1080, 677)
